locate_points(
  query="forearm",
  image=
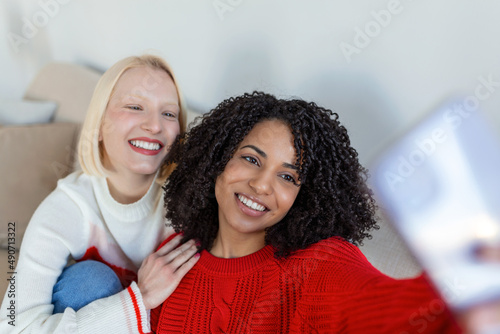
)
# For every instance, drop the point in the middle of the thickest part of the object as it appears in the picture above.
(384, 305)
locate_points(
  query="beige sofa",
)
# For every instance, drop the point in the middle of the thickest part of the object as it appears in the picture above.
(34, 157)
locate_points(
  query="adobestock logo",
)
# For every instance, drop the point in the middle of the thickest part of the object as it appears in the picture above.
(224, 6)
(453, 117)
(30, 27)
(407, 164)
(372, 29)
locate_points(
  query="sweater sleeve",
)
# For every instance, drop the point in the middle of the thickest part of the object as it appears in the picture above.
(57, 231)
(349, 295)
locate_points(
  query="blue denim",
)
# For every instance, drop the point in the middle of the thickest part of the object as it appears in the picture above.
(82, 283)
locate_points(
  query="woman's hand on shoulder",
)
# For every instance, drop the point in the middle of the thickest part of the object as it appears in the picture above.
(161, 272)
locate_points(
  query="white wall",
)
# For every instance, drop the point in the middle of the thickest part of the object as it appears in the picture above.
(426, 51)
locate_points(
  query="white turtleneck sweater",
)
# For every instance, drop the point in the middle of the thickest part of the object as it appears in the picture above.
(80, 220)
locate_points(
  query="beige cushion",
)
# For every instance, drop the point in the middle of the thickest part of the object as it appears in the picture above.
(70, 86)
(33, 158)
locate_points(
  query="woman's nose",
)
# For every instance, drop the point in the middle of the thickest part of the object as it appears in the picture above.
(261, 183)
(152, 123)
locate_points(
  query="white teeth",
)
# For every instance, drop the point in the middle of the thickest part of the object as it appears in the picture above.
(145, 145)
(248, 202)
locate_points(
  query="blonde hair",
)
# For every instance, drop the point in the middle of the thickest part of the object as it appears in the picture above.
(90, 150)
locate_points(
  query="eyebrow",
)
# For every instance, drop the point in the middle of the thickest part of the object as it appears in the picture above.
(290, 166)
(263, 154)
(135, 96)
(256, 149)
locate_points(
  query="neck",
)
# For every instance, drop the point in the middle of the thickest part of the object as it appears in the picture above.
(128, 189)
(231, 245)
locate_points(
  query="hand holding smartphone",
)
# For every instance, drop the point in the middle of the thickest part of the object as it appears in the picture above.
(439, 185)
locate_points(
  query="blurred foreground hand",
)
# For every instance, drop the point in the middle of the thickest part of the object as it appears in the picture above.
(484, 319)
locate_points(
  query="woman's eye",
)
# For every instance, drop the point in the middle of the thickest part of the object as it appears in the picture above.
(251, 160)
(169, 114)
(134, 107)
(288, 178)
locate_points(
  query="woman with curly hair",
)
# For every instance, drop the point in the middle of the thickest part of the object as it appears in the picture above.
(276, 197)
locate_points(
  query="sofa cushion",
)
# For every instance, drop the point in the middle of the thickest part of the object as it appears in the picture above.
(33, 158)
(70, 86)
(14, 112)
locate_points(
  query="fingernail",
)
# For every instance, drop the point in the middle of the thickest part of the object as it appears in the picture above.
(197, 255)
(198, 244)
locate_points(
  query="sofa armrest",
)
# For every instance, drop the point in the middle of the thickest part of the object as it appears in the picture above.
(32, 159)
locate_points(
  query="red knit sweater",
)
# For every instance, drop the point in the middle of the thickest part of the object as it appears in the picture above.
(329, 287)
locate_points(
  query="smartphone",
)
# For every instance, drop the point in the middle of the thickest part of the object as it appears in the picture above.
(439, 185)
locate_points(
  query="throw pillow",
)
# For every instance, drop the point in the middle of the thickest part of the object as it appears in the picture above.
(14, 112)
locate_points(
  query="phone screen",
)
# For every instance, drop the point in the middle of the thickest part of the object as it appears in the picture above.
(439, 185)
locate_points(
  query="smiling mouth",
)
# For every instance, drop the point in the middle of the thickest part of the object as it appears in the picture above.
(146, 145)
(251, 204)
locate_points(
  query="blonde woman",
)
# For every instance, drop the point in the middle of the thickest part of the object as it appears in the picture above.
(108, 218)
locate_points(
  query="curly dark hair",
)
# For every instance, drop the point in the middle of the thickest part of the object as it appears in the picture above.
(333, 199)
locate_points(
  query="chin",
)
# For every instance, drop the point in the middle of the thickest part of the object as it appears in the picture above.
(251, 230)
(146, 170)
